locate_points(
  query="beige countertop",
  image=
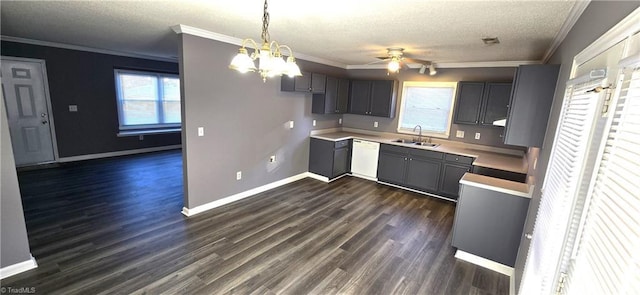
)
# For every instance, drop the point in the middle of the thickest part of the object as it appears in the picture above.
(496, 184)
(483, 158)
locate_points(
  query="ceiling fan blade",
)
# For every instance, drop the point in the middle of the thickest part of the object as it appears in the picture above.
(385, 58)
(415, 61)
(376, 62)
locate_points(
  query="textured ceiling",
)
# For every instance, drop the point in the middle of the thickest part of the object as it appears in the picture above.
(342, 31)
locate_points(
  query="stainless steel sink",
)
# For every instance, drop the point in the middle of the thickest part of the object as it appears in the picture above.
(427, 144)
(405, 141)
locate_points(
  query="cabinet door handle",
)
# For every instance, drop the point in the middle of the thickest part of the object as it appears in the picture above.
(405, 159)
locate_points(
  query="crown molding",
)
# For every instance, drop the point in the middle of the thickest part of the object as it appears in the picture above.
(452, 65)
(85, 48)
(183, 29)
(575, 13)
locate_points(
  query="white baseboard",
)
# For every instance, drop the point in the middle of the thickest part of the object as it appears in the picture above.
(486, 263)
(239, 196)
(118, 153)
(364, 176)
(318, 177)
(17, 268)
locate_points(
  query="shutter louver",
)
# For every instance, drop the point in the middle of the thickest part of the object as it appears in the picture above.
(607, 258)
(560, 186)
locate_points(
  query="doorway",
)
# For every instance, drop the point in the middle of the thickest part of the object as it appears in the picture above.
(26, 96)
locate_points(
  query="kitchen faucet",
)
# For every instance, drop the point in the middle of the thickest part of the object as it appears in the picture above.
(420, 134)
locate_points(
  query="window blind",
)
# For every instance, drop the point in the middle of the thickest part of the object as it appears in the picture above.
(606, 259)
(560, 186)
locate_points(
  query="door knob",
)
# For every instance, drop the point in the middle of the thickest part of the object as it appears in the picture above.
(528, 236)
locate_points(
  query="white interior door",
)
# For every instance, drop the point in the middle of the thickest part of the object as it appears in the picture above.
(25, 97)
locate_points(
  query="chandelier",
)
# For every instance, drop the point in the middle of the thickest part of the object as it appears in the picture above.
(271, 63)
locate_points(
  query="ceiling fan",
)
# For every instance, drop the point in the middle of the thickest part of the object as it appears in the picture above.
(397, 59)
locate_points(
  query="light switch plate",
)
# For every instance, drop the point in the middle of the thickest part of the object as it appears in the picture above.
(238, 175)
(272, 159)
(73, 108)
(200, 131)
(314, 122)
(340, 121)
(291, 124)
(460, 134)
(477, 135)
(375, 124)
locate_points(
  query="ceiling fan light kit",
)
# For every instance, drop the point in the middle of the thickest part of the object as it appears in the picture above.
(397, 60)
(270, 60)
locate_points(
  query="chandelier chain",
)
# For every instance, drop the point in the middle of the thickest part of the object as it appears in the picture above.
(265, 24)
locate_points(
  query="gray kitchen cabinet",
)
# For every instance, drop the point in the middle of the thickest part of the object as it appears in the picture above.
(423, 174)
(409, 167)
(329, 158)
(489, 224)
(308, 82)
(335, 98)
(373, 97)
(495, 103)
(530, 104)
(502, 174)
(481, 103)
(453, 168)
(391, 167)
(468, 102)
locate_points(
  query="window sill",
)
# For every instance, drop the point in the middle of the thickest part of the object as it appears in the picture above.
(125, 133)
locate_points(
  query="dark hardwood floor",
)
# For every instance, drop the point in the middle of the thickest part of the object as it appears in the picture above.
(114, 226)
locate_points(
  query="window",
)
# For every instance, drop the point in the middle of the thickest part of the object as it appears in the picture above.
(147, 100)
(428, 104)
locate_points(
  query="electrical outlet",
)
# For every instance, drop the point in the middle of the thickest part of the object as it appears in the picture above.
(238, 175)
(460, 134)
(272, 159)
(477, 135)
(200, 131)
(314, 122)
(291, 124)
(340, 121)
(73, 108)
(375, 124)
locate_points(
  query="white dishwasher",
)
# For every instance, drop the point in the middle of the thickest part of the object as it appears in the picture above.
(364, 159)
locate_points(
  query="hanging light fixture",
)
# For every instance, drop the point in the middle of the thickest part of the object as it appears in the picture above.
(270, 60)
(394, 64)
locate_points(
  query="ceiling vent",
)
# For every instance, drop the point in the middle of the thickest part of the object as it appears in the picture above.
(490, 40)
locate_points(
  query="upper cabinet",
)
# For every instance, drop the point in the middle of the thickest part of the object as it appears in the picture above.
(373, 97)
(335, 98)
(308, 82)
(495, 103)
(481, 103)
(531, 98)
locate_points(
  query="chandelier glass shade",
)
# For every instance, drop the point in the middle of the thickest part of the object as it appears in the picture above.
(271, 62)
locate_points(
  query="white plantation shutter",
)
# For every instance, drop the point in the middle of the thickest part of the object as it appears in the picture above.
(607, 257)
(560, 187)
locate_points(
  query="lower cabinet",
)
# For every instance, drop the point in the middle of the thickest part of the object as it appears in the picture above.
(329, 158)
(412, 168)
(423, 174)
(453, 169)
(451, 175)
(391, 167)
(489, 224)
(428, 171)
